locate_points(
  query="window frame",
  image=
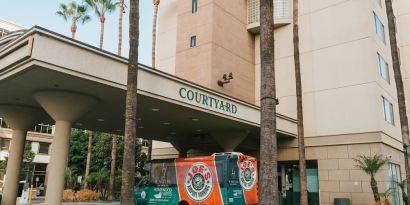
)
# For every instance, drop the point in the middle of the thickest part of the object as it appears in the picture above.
(39, 148)
(380, 61)
(193, 41)
(389, 119)
(378, 22)
(194, 8)
(395, 175)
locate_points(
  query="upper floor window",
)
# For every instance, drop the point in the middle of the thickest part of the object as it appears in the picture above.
(383, 68)
(379, 27)
(43, 148)
(193, 41)
(388, 111)
(4, 143)
(194, 6)
(281, 8)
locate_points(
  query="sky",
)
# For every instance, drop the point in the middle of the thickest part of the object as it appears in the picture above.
(42, 13)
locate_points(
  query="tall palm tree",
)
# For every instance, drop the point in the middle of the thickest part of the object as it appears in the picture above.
(401, 99)
(154, 45)
(268, 178)
(128, 165)
(122, 11)
(88, 163)
(102, 7)
(112, 171)
(299, 105)
(371, 165)
(154, 34)
(114, 137)
(74, 13)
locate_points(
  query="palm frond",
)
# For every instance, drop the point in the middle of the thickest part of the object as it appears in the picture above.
(370, 164)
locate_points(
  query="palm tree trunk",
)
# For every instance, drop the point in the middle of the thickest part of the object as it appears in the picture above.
(149, 157)
(102, 20)
(73, 30)
(120, 27)
(268, 178)
(400, 90)
(89, 150)
(128, 165)
(113, 162)
(154, 34)
(299, 105)
(375, 189)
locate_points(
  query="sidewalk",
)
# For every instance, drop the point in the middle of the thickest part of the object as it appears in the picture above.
(41, 202)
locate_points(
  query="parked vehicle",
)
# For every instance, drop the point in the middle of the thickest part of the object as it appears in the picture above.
(223, 178)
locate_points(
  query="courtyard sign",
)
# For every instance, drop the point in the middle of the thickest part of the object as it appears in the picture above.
(207, 100)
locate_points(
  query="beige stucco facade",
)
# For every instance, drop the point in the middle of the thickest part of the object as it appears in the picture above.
(343, 89)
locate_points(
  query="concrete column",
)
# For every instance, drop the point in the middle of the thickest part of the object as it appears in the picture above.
(20, 118)
(229, 140)
(181, 147)
(13, 167)
(64, 107)
(58, 162)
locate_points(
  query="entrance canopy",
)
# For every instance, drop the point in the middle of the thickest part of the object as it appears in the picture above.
(169, 108)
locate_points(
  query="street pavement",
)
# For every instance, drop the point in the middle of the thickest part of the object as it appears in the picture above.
(41, 202)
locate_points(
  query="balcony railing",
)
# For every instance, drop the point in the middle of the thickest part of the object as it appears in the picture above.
(40, 128)
(281, 10)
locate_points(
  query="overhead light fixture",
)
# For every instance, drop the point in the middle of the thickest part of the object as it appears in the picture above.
(199, 130)
(79, 124)
(166, 123)
(173, 133)
(140, 127)
(195, 119)
(100, 120)
(155, 109)
(118, 130)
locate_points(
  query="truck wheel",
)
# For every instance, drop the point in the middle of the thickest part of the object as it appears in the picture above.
(183, 203)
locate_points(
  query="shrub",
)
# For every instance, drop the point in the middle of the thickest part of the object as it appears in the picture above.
(87, 195)
(82, 195)
(69, 195)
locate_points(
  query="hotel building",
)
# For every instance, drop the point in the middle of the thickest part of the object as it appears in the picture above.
(349, 94)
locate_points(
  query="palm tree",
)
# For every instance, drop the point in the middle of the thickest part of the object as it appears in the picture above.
(114, 137)
(268, 182)
(112, 171)
(89, 150)
(101, 7)
(74, 13)
(154, 43)
(401, 100)
(299, 105)
(371, 165)
(128, 165)
(122, 11)
(154, 35)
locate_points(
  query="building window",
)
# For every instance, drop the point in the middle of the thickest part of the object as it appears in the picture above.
(193, 41)
(388, 111)
(383, 68)
(194, 6)
(379, 27)
(4, 143)
(394, 175)
(281, 9)
(43, 148)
